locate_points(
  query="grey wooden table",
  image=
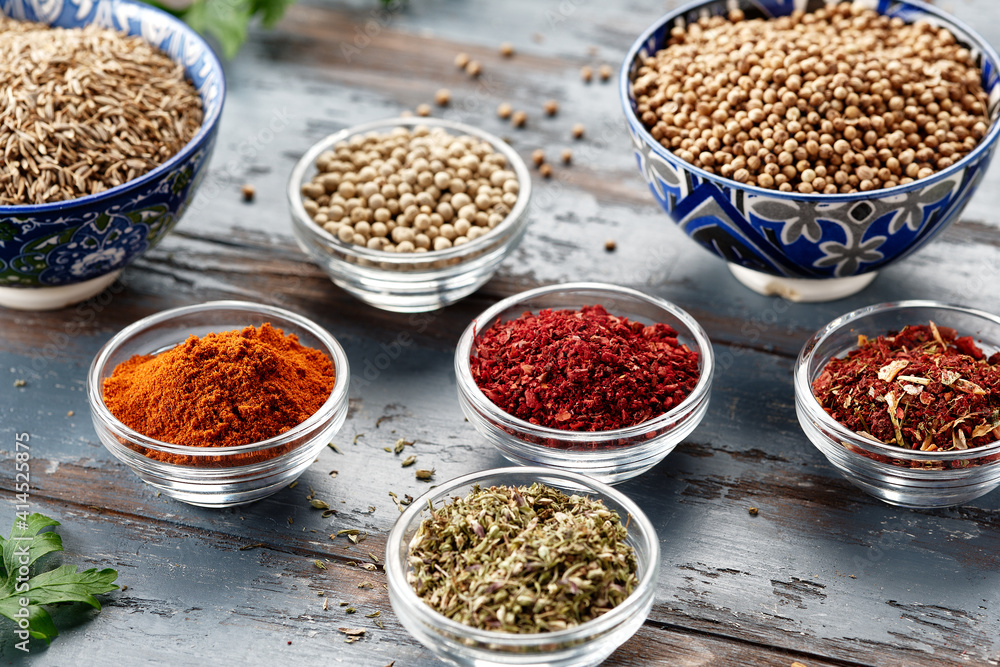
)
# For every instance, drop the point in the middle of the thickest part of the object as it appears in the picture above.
(824, 575)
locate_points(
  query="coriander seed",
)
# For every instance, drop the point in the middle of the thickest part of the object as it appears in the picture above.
(461, 60)
(423, 110)
(519, 119)
(506, 49)
(538, 157)
(578, 131)
(474, 69)
(567, 156)
(442, 97)
(551, 107)
(504, 110)
(605, 72)
(586, 73)
(545, 170)
(249, 192)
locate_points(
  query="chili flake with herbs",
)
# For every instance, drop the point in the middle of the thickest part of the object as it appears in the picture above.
(584, 370)
(921, 388)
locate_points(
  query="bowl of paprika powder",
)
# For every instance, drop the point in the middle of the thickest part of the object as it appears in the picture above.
(220, 403)
(586, 377)
(904, 400)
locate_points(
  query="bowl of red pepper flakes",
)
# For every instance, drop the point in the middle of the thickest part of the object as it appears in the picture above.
(904, 400)
(585, 377)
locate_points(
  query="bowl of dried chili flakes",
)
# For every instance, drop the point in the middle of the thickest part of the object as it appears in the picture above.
(904, 400)
(585, 377)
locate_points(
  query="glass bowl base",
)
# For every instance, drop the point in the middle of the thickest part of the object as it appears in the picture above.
(801, 290)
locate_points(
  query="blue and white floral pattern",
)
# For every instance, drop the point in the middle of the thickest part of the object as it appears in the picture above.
(68, 242)
(815, 236)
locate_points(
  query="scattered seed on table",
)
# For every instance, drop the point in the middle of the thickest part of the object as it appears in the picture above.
(545, 170)
(442, 97)
(20, 383)
(474, 69)
(423, 110)
(753, 511)
(586, 73)
(461, 60)
(249, 192)
(424, 475)
(538, 157)
(610, 245)
(70, 413)
(578, 131)
(567, 156)
(605, 72)
(519, 119)
(551, 107)
(506, 49)
(504, 110)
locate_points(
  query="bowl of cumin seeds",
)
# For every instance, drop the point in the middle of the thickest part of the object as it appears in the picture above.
(108, 118)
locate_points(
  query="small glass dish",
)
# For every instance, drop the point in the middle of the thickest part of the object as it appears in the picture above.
(898, 476)
(217, 476)
(610, 456)
(409, 282)
(584, 645)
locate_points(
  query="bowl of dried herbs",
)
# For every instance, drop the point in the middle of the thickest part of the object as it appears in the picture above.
(904, 400)
(522, 566)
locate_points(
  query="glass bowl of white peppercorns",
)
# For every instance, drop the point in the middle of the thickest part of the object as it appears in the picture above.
(810, 149)
(409, 214)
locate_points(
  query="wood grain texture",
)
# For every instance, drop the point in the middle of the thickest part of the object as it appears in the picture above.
(824, 575)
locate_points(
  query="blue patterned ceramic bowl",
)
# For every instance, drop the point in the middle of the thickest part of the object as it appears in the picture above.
(807, 236)
(55, 254)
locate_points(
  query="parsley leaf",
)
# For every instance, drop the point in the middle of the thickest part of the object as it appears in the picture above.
(63, 584)
(225, 20)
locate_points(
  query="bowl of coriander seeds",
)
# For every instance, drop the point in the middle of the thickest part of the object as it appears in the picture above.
(811, 149)
(407, 214)
(110, 118)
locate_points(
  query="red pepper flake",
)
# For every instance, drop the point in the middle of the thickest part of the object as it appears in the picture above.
(584, 370)
(921, 388)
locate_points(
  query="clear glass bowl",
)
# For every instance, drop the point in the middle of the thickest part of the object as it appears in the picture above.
(217, 476)
(586, 644)
(409, 282)
(893, 474)
(610, 456)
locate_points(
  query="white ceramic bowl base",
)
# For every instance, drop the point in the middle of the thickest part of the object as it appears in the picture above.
(57, 296)
(801, 290)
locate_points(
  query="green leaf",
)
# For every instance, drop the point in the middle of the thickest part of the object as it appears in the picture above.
(270, 11)
(24, 543)
(59, 585)
(65, 584)
(40, 624)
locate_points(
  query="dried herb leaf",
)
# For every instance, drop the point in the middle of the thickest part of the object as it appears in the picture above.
(522, 559)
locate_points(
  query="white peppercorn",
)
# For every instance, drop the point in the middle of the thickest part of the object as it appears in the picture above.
(409, 190)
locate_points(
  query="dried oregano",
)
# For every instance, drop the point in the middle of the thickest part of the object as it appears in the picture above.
(522, 559)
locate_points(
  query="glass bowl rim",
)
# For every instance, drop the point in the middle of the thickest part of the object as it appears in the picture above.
(208, 122)
(625, 96)
(811, 406)
(338, 394)
(475, 395)
(509, 224)
(605, 622)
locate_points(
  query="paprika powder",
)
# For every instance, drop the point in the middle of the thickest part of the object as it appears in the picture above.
(221, 390)
(584, 370)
